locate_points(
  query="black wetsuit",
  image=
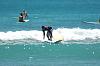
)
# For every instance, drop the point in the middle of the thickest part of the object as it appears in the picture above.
(49, 32)
(21, 19)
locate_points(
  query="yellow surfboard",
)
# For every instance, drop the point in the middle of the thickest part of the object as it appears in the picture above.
(57, 36)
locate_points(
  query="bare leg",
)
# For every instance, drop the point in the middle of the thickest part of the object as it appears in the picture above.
(43, 34)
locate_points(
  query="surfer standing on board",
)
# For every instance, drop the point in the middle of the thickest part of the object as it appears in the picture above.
(49, 32)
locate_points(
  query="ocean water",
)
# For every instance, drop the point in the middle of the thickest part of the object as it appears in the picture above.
(21, 43)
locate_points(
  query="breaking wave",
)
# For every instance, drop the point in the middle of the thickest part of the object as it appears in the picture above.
(69, 34)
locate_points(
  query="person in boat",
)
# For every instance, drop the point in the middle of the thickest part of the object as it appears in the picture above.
(49, 32)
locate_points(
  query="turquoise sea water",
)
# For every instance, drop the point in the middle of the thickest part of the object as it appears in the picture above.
(20, 43)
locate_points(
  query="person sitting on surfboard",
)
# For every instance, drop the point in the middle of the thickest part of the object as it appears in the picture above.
(49, 32)
(24, 14)
(21, 19)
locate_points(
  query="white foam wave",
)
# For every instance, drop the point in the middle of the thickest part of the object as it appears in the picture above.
(67, 33)
(35, 34)
(79, 34)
